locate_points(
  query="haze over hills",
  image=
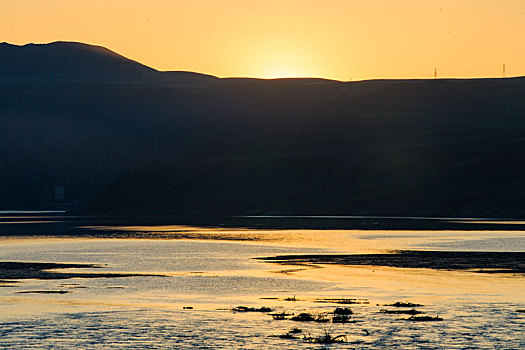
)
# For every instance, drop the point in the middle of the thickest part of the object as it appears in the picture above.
(122, 137)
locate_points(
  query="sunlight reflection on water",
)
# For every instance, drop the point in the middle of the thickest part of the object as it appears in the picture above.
(476, 328)
(479, 311)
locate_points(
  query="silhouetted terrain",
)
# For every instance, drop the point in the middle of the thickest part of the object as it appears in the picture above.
(70, 61)
(122, 137)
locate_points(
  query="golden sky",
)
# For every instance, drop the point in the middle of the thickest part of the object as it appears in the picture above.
(337, 39)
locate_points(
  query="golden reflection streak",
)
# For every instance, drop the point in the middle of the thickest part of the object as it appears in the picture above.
(492, 222)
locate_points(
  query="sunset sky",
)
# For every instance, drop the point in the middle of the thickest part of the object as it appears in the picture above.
(337, 39)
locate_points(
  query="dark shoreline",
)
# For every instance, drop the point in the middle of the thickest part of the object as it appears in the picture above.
(12, 270)
(66, 225)
(479, 262)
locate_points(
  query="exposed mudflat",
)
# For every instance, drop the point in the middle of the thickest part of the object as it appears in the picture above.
(12, 270)
(481, 262)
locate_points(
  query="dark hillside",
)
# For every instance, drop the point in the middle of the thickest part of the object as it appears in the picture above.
(66, 61)
(443, 148)
(124, 137)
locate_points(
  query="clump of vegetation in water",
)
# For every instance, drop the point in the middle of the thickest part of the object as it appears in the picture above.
(306, 317)
(280, 315)
(326, 338)
(321, 319)
(424, 318)
(303, 317)
(342, 319)
(290, 334)
(343, 311)
(403, 304)
(286, 336)
(343, 301)
(406, 312)
(251, 309)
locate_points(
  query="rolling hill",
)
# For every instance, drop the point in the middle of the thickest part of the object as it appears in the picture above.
(122, 137)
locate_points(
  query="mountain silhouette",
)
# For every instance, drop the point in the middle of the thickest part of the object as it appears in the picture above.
(77, 61)
(121, 137)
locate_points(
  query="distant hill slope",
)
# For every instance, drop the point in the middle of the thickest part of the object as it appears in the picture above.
(77, 61)
(122, 137)
(430, 148)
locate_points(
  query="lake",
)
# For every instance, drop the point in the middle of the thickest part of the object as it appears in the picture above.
(186, 279)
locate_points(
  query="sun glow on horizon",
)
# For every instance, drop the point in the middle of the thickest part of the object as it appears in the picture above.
(334, 39)
(281, 64)
(281, 70)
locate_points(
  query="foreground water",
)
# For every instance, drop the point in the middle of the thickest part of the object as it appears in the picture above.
(214, 272)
